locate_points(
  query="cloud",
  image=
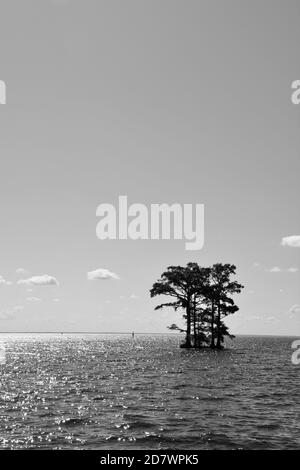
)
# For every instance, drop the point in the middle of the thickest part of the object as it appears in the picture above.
(292, 241)
(295, 308)
(3, 282)
(43, 280)
(22, 272)
(101, 274)
(256, 265)
(56, 300)
(292, 270)
(33, 299)
(275, 269)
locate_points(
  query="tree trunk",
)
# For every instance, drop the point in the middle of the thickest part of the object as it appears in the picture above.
(212, 341)
(194, 325)
(188, 324)
(219, 346)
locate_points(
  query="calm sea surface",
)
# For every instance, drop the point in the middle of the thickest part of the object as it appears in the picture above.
(108, 392)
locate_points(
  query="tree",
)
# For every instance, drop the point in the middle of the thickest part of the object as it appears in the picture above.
(221, 288)
(174, 327)
(205, 296)
(199, 313)
(181, 283)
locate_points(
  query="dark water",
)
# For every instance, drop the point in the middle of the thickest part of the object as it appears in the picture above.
(106, 392)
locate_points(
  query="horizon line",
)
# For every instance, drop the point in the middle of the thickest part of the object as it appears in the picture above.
(135, 332)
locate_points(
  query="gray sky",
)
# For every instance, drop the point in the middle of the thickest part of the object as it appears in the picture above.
(163, 101)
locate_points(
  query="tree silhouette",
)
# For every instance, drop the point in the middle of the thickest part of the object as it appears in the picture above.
(183, 284)
(204, 294)
(221, 288)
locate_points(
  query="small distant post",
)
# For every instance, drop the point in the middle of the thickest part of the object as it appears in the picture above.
(132, 335)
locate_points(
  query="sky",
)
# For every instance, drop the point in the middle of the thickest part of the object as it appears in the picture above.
(162, 101)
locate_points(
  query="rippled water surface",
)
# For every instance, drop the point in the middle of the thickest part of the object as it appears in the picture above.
(108, 392)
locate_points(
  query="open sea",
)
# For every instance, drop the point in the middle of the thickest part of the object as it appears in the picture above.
(110, 392)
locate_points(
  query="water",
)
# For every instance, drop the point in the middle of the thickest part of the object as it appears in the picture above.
(108, 392)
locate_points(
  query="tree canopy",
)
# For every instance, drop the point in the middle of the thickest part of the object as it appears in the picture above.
(204, 294)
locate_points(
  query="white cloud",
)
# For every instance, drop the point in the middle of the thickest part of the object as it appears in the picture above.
(56, 300)
(292, 241)
(292, 270)
(33, 299)
(101, 274)
(3, 282)
(43, 280)
(22, 272)
(256, 265)
(275, 269)
(295, 308)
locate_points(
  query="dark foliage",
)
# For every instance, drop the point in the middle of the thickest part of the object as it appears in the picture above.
(205, 296)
